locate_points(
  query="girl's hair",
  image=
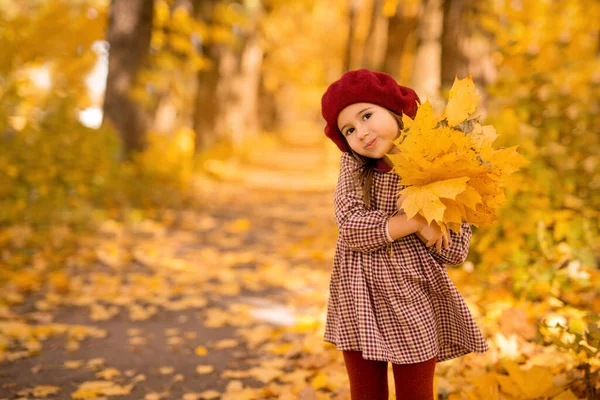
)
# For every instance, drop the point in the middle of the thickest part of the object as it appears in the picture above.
(367, 165)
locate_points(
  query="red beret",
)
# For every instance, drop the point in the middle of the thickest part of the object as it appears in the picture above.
(365, 86)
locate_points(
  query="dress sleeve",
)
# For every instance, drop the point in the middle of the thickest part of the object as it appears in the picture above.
(360, 229)
(459, 247)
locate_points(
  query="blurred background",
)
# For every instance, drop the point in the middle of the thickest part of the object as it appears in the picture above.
(129, 110)
(222, 86)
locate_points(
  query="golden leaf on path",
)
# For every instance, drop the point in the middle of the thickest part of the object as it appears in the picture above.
(200, 351)
(102, 313)
(209, 394)
(139, 313)
(153, 396)
(282, 348)
(72, 364)
(320, 381)
(236, 391)
(239, 225)
(228, 373)
(486, 387)
(72, 345)
(204, 369)
(535, 382)
(96, 363)
(509, 386)
(265, 375)
(60, 281)
(108, 373)
(138, 341)
(297, 377)
(226, 344)
(166, 370)
(92, 389)
(40, 391)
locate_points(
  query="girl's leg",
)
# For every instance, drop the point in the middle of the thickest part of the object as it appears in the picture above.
(414, 381)
(368, 378)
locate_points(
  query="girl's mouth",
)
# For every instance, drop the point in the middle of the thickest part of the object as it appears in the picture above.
(370, 144)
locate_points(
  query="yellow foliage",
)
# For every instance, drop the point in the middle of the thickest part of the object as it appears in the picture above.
(535, 382)
(453, 159)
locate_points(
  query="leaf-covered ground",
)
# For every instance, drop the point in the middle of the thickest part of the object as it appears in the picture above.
(182, 306)
(225, 300)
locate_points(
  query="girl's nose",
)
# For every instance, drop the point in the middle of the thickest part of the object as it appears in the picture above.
(363, 131)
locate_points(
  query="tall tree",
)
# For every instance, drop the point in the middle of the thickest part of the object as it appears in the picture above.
(226, 107)
(454, 59)
(206, 108)
(350, 39)
(129, 34)
(400, 26)
(426, 69)
(376, 42)
(241, 73)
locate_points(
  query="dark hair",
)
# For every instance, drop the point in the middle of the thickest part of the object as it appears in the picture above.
(364, 173)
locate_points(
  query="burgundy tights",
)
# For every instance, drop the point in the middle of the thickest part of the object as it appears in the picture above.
(368, 378)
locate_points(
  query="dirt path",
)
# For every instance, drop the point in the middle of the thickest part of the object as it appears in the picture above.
(217, 285)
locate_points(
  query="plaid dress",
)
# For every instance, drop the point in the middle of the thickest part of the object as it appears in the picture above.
(401, 308)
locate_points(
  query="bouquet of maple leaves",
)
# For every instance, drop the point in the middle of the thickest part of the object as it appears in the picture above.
(452, 173)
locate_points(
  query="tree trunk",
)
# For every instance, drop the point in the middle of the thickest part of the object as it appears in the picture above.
(399, 29)
(269, 119)
(454, 60)
(206, 105)
(238, 91)
(129, 33)
(426, 69)
(376, 42)
(350, 39)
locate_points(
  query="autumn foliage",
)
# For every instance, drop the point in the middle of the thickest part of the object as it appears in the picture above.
(75, 219)
(453, 172)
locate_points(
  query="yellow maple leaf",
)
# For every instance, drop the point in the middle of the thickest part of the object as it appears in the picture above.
(462, 102)
(535, 382)
(448, 167)
(427, 198)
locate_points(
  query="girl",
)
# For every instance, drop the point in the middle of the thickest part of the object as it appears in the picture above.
(395, 306)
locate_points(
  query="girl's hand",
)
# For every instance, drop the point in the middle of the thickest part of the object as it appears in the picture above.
(432, 235)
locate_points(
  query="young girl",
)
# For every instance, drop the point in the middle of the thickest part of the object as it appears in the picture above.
(390, 299)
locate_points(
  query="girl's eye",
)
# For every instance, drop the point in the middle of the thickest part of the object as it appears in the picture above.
(349, 130)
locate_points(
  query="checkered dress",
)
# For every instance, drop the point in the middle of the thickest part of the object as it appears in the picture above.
(401, 308)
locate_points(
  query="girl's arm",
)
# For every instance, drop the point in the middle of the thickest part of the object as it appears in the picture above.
(400, 225)
(359, 228)
(459, 247)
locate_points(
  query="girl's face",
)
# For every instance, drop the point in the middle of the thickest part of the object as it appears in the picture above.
(369, 129)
